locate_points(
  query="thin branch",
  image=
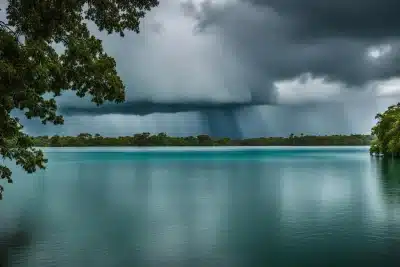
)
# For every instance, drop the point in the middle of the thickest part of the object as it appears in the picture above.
(13, 32)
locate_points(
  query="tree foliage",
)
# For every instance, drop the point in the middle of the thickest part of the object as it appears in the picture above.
(387, 133)
(33, 74)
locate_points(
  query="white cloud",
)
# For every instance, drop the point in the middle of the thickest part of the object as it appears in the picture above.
(304, 89)
(389, 88)
(376, 52)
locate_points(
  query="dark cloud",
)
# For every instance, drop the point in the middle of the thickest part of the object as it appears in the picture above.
(218, 119)
(273, 120)
(259, 43)
(287, 38)
(366, 19)
(223, 60)
(147, 107)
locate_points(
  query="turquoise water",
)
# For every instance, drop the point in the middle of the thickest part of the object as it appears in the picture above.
(275, 207)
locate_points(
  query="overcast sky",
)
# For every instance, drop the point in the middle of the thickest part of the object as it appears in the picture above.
(249, 68)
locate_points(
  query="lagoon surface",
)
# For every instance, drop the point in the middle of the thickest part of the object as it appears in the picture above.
(206, 207)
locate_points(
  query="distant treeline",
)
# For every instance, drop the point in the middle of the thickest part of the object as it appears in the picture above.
(161, 139)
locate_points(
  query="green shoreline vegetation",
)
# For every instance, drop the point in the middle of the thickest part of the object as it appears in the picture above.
(162, 139)
(387, 132)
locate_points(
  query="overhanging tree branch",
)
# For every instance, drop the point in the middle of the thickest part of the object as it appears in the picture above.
(32, 68)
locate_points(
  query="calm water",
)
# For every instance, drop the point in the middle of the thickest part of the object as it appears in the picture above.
(275, 207)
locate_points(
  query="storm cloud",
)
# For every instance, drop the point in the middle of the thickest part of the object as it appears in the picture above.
(364, 19)
(232, 61)
(285, 39)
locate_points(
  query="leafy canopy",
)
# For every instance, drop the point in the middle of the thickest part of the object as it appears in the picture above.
(32, 73)
(387, 132)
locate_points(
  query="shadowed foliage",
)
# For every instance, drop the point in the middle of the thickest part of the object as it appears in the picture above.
(387, 133)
